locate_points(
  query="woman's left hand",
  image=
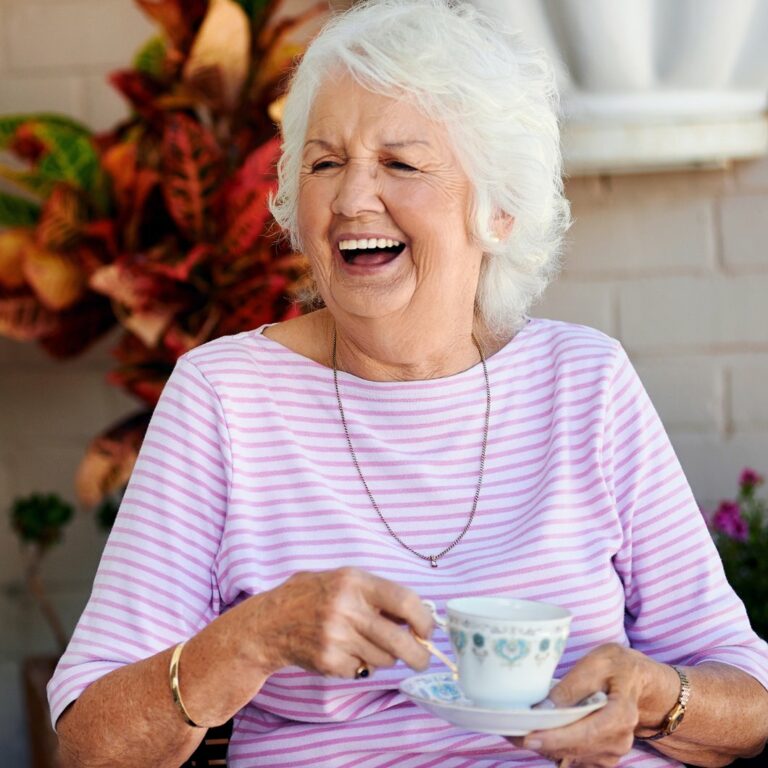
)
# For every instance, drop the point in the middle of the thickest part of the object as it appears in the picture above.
(638, 690)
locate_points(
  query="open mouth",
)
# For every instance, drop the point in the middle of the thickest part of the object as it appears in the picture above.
(370, 252)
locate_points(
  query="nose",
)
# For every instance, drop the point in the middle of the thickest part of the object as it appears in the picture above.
(358, 192)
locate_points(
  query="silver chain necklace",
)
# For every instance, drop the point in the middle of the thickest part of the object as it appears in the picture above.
(432, 559)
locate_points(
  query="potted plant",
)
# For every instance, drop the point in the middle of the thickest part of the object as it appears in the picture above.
(39, 521)
(158, 227)
(740, 530)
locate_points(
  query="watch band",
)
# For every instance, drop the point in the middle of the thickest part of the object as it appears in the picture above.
(675, 716)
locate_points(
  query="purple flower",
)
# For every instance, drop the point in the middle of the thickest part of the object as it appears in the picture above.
(728, 520)
(750, 478)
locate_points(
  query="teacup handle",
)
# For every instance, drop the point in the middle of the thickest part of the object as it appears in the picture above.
(436, 617)
(431, 647)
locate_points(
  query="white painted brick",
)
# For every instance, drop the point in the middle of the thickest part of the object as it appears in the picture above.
(38, 93)
(690, 314)
(12, 723)
(576, 302)
(26, 632)
(46, 467)
(687, 395)
(582, 188)
(640, 238)
(26, 355)
(713, 464)
(744, 227)
(58, 405)
(11, 561)
(671, 185)
(72, 564)
(73, 33)
(749, 406)
(104, 107)
(3, 44)
(752, 174)
(14, 354)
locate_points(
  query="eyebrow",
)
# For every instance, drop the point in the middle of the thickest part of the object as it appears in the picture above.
(387, 145)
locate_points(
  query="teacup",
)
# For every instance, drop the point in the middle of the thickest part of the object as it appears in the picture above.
(506, 649)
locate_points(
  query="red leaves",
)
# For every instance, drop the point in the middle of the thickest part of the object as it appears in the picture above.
(245, 200)
(192, 173)
(141, 90)
(161, 224)
(180, 19)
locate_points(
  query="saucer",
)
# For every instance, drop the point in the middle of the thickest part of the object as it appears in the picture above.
(440, 694)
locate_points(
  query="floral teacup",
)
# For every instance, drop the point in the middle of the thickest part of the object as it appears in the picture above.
(506, 649)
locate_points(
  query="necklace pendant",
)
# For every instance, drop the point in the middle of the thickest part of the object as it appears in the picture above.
(433, 562)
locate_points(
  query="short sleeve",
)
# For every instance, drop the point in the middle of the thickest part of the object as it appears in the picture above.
(155, 584)
(679, 606)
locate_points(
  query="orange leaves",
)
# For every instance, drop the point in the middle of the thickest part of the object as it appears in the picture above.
(282, 41)
(23, 318)
(56, 278)
(218, 63)
(62, 219)
(12, 245)
(110, 458)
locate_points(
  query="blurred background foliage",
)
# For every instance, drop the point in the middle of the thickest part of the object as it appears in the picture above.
(159, 226)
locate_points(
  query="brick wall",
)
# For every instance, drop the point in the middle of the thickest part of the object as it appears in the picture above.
(675, 265)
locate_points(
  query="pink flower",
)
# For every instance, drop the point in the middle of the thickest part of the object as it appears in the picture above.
(750, 478)
(728, 520)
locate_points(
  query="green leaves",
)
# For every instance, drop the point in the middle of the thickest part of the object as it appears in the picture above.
(17, 212)
(150, 58)
(59, 150)
(70, 156)
(254, 8)
(40, 518)
(9, 124)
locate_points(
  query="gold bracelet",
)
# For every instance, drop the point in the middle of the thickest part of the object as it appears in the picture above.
(174, 680)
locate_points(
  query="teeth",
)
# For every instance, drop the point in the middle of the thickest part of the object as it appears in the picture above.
(372, 242)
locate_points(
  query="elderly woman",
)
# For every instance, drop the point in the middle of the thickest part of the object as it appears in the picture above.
(304, 486)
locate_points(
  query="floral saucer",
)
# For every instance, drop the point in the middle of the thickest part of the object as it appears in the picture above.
(440, 694)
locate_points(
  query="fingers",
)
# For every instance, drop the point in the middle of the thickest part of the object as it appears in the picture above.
(342, 618)
(396, 641)
(602, 737)
(605, 736)
(400, 604)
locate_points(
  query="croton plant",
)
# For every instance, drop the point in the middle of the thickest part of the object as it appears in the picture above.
(159, 226)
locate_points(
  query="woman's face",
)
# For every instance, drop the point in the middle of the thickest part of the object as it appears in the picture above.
(383, 209)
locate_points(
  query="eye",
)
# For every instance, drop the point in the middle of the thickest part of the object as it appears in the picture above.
(324, 165)
(398, 165)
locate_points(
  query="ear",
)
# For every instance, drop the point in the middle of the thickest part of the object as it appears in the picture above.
(502, 225)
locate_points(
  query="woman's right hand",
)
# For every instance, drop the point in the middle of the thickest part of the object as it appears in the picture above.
(331, 622)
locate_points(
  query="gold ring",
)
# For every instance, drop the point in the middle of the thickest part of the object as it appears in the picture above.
(362, 672)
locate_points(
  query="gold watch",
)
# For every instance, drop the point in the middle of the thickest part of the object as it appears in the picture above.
(675, 716)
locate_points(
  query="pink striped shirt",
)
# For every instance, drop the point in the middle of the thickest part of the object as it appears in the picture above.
(245, 477)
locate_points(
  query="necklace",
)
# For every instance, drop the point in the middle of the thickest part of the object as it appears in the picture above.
(432, 559)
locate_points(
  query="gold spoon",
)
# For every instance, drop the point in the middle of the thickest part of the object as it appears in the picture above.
(433, 649)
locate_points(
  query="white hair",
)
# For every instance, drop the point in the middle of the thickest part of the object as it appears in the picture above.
(498, 101)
